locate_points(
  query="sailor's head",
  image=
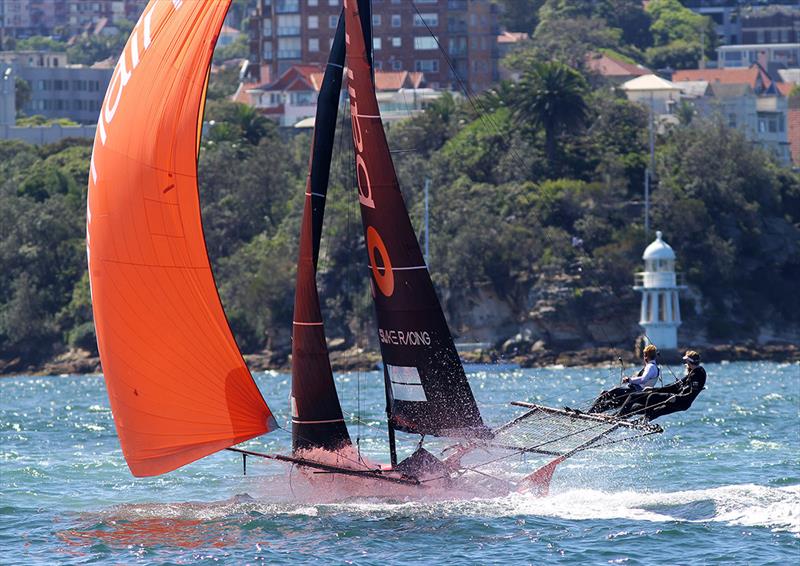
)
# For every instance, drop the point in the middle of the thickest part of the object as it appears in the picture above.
(691, 358)
(650, 352)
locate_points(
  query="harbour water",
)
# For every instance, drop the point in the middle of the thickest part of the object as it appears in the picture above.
(721, 485)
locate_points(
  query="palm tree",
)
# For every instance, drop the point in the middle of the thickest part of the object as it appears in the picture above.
(551, 96)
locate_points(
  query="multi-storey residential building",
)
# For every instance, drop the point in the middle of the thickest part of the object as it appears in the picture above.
(746, 99)
(24, 18)
(770, 24)
(59, 90)
(461, 33)
(749, 22)
(771, 56)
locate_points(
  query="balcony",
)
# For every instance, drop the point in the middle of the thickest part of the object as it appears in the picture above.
(658, 280)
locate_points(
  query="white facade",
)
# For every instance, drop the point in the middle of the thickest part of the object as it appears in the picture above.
(660, 314)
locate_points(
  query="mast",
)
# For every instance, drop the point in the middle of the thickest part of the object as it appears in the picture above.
(317, 419)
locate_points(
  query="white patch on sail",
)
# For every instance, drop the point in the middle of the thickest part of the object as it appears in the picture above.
(406, 384)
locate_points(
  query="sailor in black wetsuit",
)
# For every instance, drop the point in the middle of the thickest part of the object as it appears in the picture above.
(678, 396)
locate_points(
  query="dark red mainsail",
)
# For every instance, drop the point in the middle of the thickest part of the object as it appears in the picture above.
(317, 420)
(427, 390)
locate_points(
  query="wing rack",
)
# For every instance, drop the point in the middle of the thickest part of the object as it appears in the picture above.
(562, 432)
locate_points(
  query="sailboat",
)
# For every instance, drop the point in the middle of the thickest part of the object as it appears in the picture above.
(178, 386)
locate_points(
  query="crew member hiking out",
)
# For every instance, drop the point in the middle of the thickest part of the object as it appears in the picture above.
(646, 377)
(672, 398)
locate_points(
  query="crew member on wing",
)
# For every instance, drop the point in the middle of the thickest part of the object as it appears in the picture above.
(646, 377)
(675, 397)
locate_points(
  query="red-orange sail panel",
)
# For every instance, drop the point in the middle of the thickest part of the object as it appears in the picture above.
(178, 386)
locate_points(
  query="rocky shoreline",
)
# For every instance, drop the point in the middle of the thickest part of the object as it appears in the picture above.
(359, 359)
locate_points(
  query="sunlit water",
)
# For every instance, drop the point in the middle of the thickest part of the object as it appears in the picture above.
(721, 485)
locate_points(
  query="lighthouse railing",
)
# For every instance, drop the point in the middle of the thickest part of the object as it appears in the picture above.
(658, 279)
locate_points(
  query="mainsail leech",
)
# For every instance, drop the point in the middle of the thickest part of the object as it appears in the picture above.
(317, 420)
(427, 389)
(178, 386)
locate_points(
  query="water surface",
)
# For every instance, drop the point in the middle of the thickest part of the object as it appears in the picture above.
(721, 485)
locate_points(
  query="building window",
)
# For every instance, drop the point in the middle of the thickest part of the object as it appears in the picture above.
(397, 42)
(266, 51)
(289, 48)
(378, 65)
(301, 98)
(289, 25)
(312, 2)
(425, 42)
(266, 27)
(332, 21)
(376, 43)
(397, 20)
(333, 2)
(420, 20)
(313, 22)
(662, 307)
(397, 65)
(426, 65)
(313, 44)
(376, 20)
(287, 6)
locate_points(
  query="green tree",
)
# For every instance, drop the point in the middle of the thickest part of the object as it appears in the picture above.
(551, 96)
(233, 121)
(680, 36)
(520, 15)
(22, 94)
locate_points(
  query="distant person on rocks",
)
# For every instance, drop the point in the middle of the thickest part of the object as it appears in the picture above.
(672, 398)
(646, 377)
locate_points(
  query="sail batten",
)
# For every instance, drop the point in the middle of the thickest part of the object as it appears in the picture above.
(427, 389)
(178, 386)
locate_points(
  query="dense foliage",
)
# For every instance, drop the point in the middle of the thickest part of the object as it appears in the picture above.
(529, 199)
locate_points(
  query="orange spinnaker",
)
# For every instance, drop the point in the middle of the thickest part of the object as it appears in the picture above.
(178, 386)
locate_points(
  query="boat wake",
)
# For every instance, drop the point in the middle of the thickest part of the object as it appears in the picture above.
(224, 523)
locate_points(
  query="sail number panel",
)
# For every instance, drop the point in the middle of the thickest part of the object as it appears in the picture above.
(406, 383)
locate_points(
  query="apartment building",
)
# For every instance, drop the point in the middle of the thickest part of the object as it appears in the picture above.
(59, 90)
(447, 40)
(24, 18)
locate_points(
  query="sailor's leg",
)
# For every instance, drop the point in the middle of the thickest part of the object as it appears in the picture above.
(631, 404)
(609, 399)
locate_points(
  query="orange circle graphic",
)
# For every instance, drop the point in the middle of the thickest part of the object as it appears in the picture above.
(385, 280)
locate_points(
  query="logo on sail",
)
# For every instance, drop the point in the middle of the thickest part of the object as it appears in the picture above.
(405, 338)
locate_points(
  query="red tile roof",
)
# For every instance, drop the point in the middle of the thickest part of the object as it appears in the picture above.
(750, 76)
(608, 66)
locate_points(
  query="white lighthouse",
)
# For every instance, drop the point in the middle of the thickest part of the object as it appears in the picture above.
(660, 313)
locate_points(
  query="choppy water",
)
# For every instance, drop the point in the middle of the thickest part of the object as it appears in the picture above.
(722, 485)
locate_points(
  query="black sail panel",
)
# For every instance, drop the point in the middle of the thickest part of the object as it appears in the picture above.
(317, 420)
(427, 389)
